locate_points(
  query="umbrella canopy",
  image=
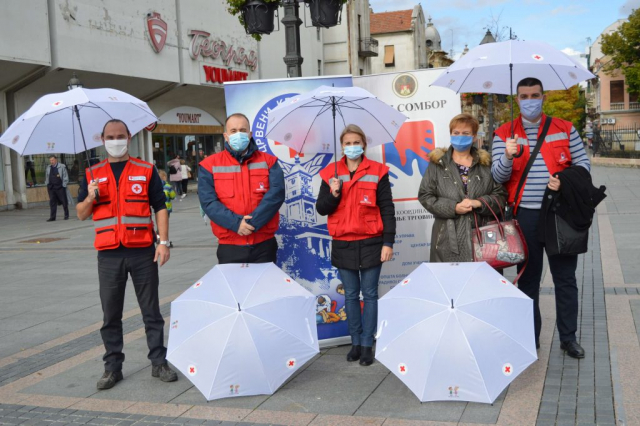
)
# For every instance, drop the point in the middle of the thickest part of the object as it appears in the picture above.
(456, 331)
(242, 329)
(312, 122)
(51, 125)
(487, 68)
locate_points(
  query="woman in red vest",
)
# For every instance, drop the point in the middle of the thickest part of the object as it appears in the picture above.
(362, 224)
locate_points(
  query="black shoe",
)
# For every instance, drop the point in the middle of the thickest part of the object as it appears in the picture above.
(51, 219)
(367, 356)
(164, 372)
(66, 218)
(354, 353)
(109, 379)
(573, 349)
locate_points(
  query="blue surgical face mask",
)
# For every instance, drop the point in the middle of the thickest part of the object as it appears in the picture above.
(239, 141)
(353, 152)
(531, 108)
(461, 142)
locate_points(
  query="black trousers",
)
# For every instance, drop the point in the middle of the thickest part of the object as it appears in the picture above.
(263, 252)
(185, 184)
(113, 274)
(563, 271)
(58, 196)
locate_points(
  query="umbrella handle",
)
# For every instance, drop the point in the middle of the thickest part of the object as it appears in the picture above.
(520, 152)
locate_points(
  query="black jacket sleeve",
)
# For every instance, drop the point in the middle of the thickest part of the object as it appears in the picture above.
(387, 211)
(326, 202)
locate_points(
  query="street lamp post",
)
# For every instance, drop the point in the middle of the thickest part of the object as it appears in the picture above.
(488, 38)
(292, 22)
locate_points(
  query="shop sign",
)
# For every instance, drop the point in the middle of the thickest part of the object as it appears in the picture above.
(220, 75)
(202, 45)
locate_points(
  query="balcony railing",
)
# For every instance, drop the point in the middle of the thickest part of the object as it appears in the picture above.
(616, 106)
(634, 105)
(368, 47)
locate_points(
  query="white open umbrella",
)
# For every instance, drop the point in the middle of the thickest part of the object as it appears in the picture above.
(242, 329)
(499, 67)
(312, 122)
(456, 331)
(71, 122)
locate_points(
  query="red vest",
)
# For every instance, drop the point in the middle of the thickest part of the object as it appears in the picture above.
(357, 216)
(555, 151)
(123, 214)
(240, 187)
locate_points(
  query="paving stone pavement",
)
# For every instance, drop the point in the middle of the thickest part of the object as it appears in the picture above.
(572, 392)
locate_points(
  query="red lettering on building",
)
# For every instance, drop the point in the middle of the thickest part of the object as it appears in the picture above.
(220, 75)
(202, 45)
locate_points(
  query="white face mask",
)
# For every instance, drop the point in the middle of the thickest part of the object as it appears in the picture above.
(116, 148)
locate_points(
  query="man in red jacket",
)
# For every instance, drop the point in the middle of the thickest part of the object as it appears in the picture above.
(124, 236)
(241, 190)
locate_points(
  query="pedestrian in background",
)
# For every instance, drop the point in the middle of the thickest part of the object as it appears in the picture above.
(451, 189)
(244, 223)
(124, 236)
(362, 225)
(185, 171)
(550, 145)
(56, 179)
(175, 175)
(169, 195)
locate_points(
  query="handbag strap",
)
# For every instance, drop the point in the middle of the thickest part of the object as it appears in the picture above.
(532, 157)
(500, 228)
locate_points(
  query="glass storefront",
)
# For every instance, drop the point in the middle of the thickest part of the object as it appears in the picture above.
(192, 148)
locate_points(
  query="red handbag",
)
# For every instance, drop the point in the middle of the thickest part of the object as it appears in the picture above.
(499, 243)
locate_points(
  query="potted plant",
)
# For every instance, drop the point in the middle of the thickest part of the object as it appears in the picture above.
(478, 98)
(325, 13)
(502, 99)
(256, 16)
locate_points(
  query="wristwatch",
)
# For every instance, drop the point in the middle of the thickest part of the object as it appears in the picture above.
(164, 243)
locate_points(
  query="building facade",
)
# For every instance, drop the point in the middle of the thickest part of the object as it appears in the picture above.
(173, 54)
(401, 40)
(611, 104)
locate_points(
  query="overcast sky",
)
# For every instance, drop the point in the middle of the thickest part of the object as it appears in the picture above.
(565, 24)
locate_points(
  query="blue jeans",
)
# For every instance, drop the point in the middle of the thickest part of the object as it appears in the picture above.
(362, 327)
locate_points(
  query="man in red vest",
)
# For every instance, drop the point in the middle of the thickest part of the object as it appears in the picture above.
(127, 189)
(560, 148)
(241, 190)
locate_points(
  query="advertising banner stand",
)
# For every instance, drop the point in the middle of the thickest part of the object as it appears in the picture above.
(304, 242)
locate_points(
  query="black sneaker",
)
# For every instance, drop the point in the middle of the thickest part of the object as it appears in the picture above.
(109, 379)
(51, 219)
(164, 372)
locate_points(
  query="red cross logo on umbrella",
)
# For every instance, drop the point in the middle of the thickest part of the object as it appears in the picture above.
(288, 280)
(58, 103)
(405, 282)
(503, 281)
(198, 284)
(402, 368)
(291, 363)
(192, 370)
(507, 369)
(537, 57)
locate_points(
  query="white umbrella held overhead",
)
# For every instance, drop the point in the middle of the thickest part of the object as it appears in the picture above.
(312, 122)
(58, 122)
(499, 67)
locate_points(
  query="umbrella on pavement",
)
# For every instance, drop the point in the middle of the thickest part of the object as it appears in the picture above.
(58, 122)
(456, 331)
(312, 122)
(242, 329)
(499, 67)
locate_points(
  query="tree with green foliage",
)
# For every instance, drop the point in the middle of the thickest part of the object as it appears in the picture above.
(623, 49)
